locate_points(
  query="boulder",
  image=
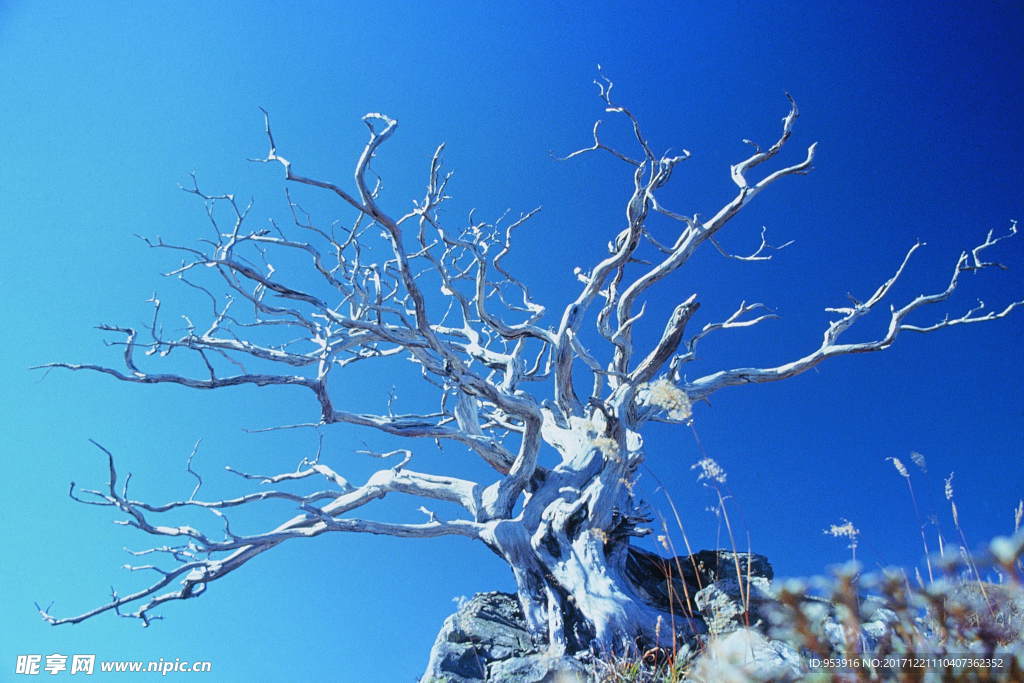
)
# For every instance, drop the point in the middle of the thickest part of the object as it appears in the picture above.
(746, 655)
(728, 605)
(488, 628)
(539, 668)
(666, 581)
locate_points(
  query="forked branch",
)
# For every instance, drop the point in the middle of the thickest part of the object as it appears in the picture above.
(199, 559)
(831, 344)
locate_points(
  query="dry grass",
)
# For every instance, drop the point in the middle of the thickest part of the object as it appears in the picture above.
(970, 606)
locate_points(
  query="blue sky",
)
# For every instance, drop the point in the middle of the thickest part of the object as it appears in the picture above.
(108, 106)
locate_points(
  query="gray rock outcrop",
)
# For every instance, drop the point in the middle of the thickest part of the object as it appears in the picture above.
(487, 630)
(728, 605)
(539, 668)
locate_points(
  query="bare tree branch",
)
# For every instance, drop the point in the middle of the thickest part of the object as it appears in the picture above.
(193, 573)
(830, 346)
(299, 305)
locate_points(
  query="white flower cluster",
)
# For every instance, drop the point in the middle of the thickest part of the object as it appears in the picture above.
(709, 469)
(670, 398)
(844, 530)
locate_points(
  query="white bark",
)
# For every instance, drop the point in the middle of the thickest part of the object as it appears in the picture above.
(504, 373)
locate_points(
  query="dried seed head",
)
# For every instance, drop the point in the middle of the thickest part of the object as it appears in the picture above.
(900, 467)
(709, 469)
(844, 530)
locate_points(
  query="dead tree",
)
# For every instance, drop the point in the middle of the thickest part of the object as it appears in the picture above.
(506, 375)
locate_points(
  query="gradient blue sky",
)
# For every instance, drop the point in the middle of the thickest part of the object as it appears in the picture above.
(107, 106)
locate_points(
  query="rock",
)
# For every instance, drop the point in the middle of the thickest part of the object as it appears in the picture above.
(728, 605)
(661, 581)
(539, 668)
(658, 578)
(746, 655)
(715, 565)
(487, 640)
(489, 628)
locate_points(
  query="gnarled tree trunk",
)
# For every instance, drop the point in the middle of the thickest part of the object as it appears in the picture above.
(569, 545)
